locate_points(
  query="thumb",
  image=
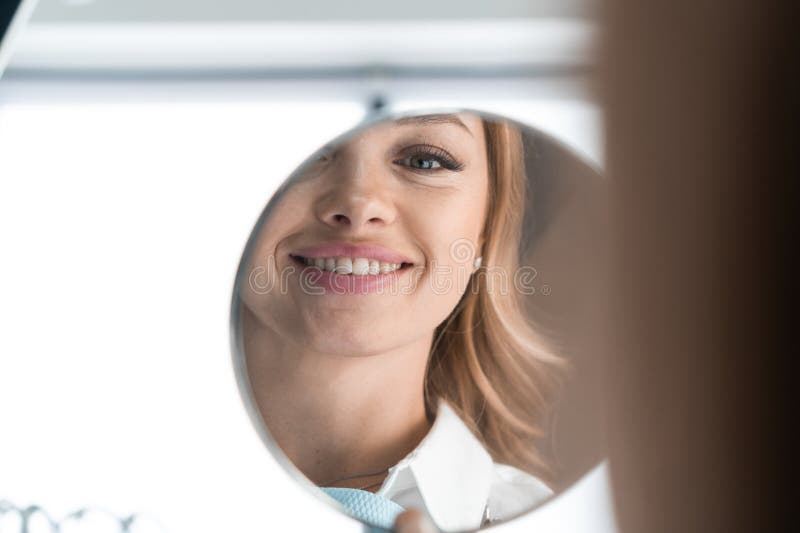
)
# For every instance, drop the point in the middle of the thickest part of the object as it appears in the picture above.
(413, 521)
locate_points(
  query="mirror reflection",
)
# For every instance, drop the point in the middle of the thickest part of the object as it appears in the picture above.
(389, 328)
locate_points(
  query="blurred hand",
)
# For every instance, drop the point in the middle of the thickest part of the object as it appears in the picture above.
(413, 521)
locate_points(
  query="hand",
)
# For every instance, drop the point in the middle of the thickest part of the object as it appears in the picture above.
(413, 521)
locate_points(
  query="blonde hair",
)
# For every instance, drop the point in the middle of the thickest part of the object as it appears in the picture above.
(487, 361)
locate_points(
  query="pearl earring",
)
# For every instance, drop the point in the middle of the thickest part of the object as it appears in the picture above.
(477, 262)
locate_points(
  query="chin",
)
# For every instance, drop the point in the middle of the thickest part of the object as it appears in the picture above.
(362, 340)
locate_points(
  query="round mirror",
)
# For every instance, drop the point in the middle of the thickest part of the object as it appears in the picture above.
(405, 314)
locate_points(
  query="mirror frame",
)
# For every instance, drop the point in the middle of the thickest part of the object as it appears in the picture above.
(376, 115)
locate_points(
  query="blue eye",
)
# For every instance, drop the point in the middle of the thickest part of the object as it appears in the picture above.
(422, 163)
(428, 157)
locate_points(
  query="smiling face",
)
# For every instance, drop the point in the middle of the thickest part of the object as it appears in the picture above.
(372, 244)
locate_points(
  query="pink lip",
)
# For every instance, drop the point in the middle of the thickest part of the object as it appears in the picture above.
(333, 283)
(347, 249)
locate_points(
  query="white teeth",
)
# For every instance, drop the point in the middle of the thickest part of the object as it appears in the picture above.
(361, 266)
(357, 266)
(344, 265)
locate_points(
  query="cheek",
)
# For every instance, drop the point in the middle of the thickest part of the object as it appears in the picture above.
(261, 288)
(264, 281)
(452, 228)
(452, 249)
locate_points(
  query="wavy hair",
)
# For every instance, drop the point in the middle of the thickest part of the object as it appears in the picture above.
(487, 360)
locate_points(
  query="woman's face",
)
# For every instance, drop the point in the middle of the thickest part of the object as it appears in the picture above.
(371, 246)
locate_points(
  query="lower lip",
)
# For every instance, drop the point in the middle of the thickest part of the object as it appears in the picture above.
(333, 283)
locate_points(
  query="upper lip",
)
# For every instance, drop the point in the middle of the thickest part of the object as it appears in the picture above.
(350, 249)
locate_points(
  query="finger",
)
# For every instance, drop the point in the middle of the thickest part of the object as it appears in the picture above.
(413, 521)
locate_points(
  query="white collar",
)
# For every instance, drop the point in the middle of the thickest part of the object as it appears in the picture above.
(450, 469)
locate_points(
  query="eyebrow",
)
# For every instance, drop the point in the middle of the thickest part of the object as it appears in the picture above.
(433, 119)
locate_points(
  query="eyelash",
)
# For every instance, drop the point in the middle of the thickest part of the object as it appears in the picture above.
(442, 156)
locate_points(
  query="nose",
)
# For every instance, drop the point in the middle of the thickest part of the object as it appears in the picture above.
(358, 199)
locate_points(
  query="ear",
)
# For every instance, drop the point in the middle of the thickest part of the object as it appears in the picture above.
(478, 254)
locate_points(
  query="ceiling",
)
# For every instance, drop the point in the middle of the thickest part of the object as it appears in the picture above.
(298, 37)
(172, 11)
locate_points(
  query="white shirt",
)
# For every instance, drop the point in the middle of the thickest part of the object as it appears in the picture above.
(451, 477)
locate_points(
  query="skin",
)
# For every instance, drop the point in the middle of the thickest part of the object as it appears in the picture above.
(338, 378)
(413, 521)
